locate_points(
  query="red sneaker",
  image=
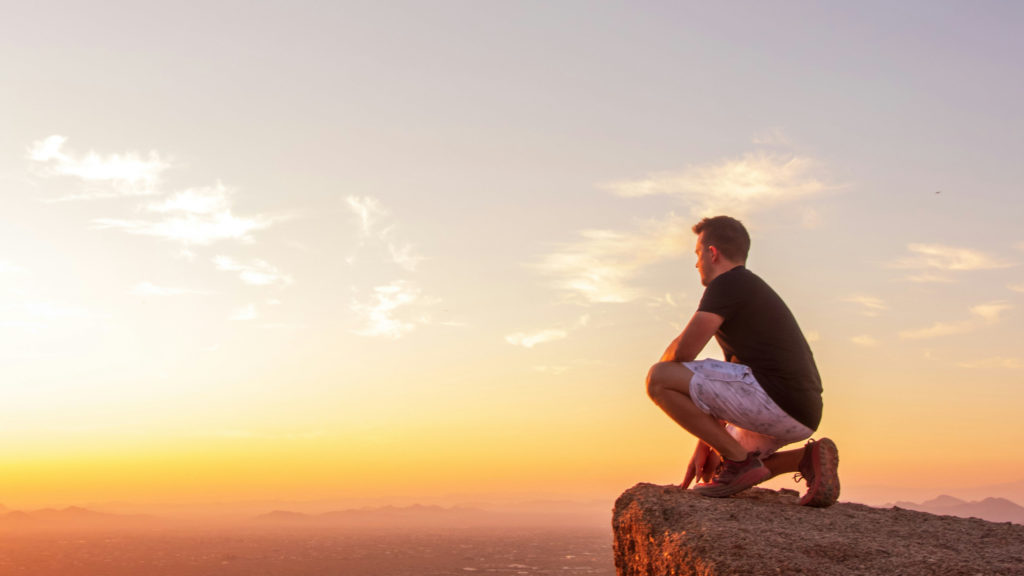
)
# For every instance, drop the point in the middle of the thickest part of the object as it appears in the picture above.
(820, 468)
(734, 477)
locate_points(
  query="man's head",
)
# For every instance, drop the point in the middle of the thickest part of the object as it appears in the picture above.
(722, 244)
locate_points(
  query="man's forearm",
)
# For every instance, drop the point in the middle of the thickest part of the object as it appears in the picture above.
(672, 352)
(694, 337)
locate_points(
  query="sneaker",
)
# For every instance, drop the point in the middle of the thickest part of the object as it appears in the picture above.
(734, 477)
(820, 468)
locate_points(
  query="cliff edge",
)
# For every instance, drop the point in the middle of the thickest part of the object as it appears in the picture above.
(667, 531)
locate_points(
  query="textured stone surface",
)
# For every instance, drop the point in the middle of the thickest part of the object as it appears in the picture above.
(664, 530)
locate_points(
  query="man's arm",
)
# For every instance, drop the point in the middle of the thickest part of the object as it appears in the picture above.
(694, 338)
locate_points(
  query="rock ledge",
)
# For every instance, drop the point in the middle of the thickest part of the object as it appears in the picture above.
(667, 531)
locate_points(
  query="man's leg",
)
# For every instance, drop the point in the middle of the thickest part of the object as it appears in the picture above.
(784, 462)
(818, 464)
(668, 385)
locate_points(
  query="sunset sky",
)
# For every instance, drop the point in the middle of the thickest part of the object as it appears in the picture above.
(427, 251)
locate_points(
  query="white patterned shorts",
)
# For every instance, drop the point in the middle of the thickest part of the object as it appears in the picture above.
(729, 392)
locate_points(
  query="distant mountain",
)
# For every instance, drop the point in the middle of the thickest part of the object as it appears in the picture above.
(991, 509)
(385, 516)
(72, 517)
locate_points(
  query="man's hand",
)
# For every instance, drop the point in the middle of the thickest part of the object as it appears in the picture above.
(702, 464)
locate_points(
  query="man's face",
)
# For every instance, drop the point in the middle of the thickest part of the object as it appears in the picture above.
(703, 261)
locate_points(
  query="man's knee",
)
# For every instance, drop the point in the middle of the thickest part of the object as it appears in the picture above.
(660, 378)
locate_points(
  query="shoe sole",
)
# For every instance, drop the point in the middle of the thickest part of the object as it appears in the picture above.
(824, 490)
(748, 479)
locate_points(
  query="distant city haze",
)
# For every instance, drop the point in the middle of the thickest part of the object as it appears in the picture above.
(334, 255)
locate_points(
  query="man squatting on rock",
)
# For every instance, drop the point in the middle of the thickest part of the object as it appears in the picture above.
(767, 396)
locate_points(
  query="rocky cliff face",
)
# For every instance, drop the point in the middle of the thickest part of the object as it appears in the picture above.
(666, 531)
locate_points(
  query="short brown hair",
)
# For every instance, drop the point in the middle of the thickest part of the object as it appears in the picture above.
(727, 234)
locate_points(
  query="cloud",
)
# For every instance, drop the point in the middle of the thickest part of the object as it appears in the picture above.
(812, 335)
(932, 258)
(257, 273)
(245, 313)
(196, 216)
(993, 362)
(989, 313)
(871, 306)
(553, 370)
(735, 187)
(371, 213)
(937, 330)
(150, 289)
(368, 209)
(404, 256)
(130, 172)
(531, 340)
(600, 265)
(210, 200)
(380, 313)
(928, 278)
(189, 229)
(866, 341)
(773, 137)
(1016, 287)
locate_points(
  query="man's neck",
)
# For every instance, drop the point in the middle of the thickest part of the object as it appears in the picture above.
(727, 266)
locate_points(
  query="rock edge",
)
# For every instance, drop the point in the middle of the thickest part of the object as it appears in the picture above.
(667, 531)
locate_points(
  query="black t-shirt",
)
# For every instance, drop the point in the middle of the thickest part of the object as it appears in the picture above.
(760, 332)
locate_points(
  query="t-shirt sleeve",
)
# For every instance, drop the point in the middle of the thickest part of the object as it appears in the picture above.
(722, 297)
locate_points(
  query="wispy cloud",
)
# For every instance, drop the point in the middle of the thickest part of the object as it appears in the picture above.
(937, 330)
(405, 256)
(196, 216)
(736, 186)
(772, 137)
(373, 224)
(382, 314)
(1000, 362)
(600, 266)
(864, 340)
(533, 338)
(530, 340)
(245, 313)
(150, 289)
(9, 268)
(552, 370)
(209, 200)
(368, 210)
(12, 278)
(57, 310)
(932, 261)
(1016, 287)
(130, 173)
(989, 313)
(256, 273)
(870, 305)
(190, 229)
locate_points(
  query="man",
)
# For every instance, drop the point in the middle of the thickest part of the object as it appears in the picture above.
(767, 396)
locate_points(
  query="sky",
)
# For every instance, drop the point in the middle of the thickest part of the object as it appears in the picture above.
(427, 252)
